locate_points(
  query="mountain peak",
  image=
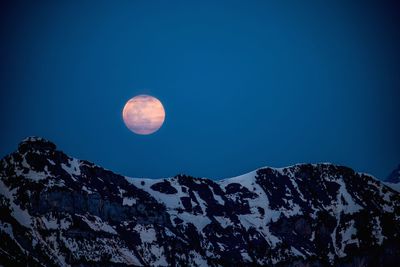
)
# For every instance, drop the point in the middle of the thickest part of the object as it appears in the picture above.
(36, 143)
(394, 177)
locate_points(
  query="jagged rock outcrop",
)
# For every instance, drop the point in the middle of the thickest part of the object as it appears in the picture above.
(59, 211)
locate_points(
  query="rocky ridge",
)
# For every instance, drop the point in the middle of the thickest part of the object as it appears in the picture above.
(56, 210)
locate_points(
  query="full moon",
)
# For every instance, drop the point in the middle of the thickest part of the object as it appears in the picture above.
(143, 114)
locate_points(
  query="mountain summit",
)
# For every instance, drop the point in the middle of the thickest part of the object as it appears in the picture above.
(394, 177)
(60, 211)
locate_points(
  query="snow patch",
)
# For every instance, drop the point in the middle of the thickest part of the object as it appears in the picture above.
(377, 231)
(128, 201)
(198, 259)
(223, 221)
(395, 187)
(31, 174)
(350, 206)
(73, 167)
(51, 222)
(21, 215)
(147, 234)
(97, 224)
(347, 238)
(297, 253)
(87, 190)
(199, 221)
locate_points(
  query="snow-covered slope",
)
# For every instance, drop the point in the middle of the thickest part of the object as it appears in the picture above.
(57, 210)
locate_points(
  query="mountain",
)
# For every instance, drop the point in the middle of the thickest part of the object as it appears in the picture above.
(394, 177)
(60, 211)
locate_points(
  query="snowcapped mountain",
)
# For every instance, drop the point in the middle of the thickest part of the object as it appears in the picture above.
(393, 180)
(59, 211)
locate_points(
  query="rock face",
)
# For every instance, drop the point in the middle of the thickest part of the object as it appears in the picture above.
(59, 211)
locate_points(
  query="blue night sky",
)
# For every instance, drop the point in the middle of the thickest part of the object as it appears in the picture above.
(245, 84)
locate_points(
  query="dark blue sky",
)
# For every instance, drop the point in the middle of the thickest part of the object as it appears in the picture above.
(245, 84)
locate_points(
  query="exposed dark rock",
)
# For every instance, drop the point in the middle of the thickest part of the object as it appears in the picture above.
(164, 187)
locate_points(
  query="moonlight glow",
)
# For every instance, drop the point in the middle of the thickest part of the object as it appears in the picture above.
(143, 114)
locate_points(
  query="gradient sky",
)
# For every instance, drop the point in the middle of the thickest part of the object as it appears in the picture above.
(245, 84)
